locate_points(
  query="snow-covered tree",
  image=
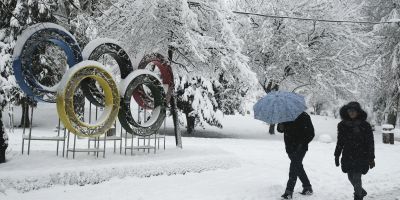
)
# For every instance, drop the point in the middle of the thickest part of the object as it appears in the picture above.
(230, 95)
(387, 85)
(307, 56)
(198, 35)
(15, 16)
(297, 53)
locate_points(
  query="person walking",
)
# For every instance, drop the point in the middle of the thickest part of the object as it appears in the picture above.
(355, 143)
(297, 135)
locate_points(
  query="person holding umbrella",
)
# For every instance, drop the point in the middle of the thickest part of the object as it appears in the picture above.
(297, 135)
(356, 145)
(287, 109)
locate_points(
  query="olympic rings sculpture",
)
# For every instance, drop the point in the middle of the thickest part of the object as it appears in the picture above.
(150, 90)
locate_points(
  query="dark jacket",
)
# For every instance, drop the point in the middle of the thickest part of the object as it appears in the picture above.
(355, 141)
(297, 134)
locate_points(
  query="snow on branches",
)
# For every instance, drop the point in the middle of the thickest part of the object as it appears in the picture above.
(306, 56)
(197, 101)
(199, 35)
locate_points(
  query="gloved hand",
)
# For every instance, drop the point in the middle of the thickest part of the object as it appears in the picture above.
(337, 163)
(371, 164)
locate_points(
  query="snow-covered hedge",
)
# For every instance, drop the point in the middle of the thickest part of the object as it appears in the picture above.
(87, 176)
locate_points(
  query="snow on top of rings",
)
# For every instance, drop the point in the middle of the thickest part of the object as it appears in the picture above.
(71, 71)
(92, 45)
(125, 82)
(28, 32)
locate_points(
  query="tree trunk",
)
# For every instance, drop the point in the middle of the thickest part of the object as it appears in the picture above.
(272, 86)
(397, 111)
(177, 131)
(3, 145)
(190, 120)
(272, 129)
(174, 109)
(392, 118)
(2, 155)
(25, 122)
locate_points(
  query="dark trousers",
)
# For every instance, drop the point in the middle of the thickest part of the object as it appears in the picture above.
(355, 180)
(297, 170)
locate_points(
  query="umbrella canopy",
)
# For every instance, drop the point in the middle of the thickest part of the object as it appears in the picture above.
(278, 107)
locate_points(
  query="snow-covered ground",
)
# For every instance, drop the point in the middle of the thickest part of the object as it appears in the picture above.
(240, 161)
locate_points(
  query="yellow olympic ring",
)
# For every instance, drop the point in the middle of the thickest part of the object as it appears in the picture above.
(65, 101)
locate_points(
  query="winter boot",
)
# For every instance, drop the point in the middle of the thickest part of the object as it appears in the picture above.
(307, 191)
(358, 197)
(364, 193)
(287, 195)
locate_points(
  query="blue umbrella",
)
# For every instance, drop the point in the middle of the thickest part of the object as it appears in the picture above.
(278, 107)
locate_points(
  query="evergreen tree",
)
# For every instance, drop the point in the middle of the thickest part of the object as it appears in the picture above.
(230, 95)
(197, 102)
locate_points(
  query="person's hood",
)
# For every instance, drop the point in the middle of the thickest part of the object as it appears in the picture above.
(362, 115)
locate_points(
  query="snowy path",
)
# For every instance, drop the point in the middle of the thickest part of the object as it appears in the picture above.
(262, 175)
(250, 165)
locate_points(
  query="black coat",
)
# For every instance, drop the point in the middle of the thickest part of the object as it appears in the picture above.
(297, 134)
(355, 141)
